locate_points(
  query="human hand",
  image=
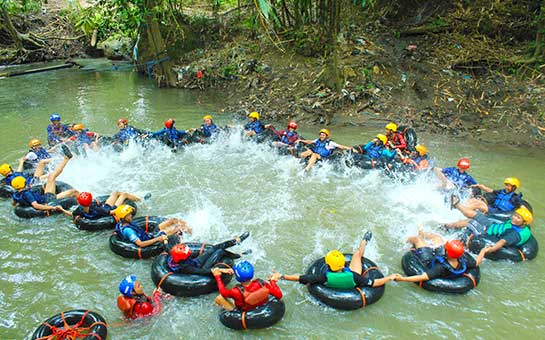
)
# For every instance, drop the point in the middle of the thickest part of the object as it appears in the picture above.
(216, 271)
(275, 276)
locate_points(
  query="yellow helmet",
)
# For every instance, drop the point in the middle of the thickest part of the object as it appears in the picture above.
(326, 131)
(391, 126)
(18, 182)
(122, 211)
(207, 117)
(34, 142)
(382, 138)
(335, 260)
(78, 127)
(5, 169)
(512, 181)
(421, 149)
(524, 213)
(254, 115)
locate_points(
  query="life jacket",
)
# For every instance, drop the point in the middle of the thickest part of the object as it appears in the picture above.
(288, 137)
(256, 126)
(444, 262)
(55, 133)
(19, 197)
(422, 162)
(398, 140)
(320, 147)
(172, 135)
(504, 200)
(256, 298)
(340, 280)
(41, 153)
(498, 229)
(460, 179)
(83, 138)
(127, 133)
(209, 130)
(374, 151)
(142, 235)
(134, 308)
(10, 178)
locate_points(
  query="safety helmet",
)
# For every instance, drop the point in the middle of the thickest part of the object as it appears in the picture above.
(78, 127)
(512, 181)
(464, 163)
(244, 271)
(391, 126)
(326, 131)
(335, 260)
(55, 117)
(382, 138)
(524, 212)
(169, 123)
(5, 169)
(254, 115)
(292, 125)
(180, 252)
(421, 149)
(85, 199)
(34, 142)
(454, 248)
(207, 117)
(123, 121)
(122, 211)
(126, 285)
(18, 182)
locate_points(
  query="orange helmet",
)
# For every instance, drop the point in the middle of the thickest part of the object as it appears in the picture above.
(169, 123)
(464, 163)
(78, 127)
(180, 252)
(454, 248)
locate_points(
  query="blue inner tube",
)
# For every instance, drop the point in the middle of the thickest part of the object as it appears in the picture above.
(346, 299)
(131, 250)
(413, 265)
(262, 316)
(89, 319)
(186, 284)
(527, 251)
(102, 223)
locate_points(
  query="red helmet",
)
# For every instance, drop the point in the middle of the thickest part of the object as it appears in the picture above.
(169, 123)
(123, 121)
(85, 199)
(180, 252)
(454, 248)
(464, 163)
(292, 125)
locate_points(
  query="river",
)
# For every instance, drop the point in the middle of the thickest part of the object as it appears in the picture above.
(223, 189)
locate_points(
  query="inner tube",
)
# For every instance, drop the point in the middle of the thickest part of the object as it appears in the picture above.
(83, 324)
(346, 299)
(410, 136)
(131, 250)
(262, 316)
(527, 251)
(186, 284)
(412, 265)
(30, 212)
(102, 223)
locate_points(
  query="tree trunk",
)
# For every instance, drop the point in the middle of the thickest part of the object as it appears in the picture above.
(6, 22)
(332, 76)
(539, 52)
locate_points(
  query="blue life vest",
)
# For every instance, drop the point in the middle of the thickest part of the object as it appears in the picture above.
(504, 201)
(41, 153)
(461, 180)
(209, 130)
(83, 138)
(10, 178)
(119, 227)
(320, 147)
(443, 261)
(256, 126)
(286, 135)
(373, 151)
(127, 133)
(172, 135)
(176, 266)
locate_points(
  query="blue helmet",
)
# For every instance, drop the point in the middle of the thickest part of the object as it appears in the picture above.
(244, 271)
(54, 117)
(127, 285)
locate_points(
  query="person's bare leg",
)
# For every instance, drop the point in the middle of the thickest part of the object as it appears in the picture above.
(305, 154)
(224, 303)
(313, 159)
(68, 193)
(458, 224)
(436, 239)
(441, 177)
(355, 262)
(51, 185)
(40, 168)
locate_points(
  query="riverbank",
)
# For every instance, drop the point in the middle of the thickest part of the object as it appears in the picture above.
(435, 80)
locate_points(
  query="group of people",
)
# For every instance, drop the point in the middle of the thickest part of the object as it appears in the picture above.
(443, 258)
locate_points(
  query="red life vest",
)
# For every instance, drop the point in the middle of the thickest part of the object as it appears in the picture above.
(134, 309)
(254, 298)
